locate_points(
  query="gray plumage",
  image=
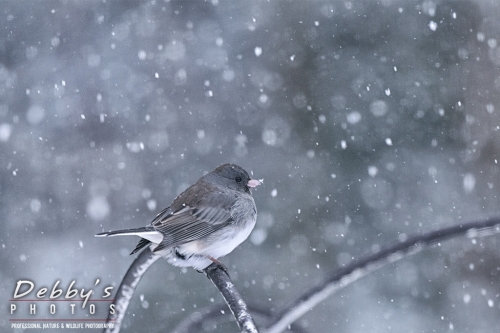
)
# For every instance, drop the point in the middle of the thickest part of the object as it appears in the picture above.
(205, 222)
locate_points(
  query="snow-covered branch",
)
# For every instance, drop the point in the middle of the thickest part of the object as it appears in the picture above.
(216, 274)
(127, 287)
(195, 321)
(232, 297)
(404, 247)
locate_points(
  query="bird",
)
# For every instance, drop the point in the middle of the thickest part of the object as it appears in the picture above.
(205, 222)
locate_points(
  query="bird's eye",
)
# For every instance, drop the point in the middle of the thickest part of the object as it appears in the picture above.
(238, 179)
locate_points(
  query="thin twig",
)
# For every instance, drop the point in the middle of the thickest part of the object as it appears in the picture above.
(196, 320)
(232, 297)
(217, 275)
(372, 261)
(127, 287)
(341, 278)
(193, 322)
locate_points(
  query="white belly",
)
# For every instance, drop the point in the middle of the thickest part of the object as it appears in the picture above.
(217, 245)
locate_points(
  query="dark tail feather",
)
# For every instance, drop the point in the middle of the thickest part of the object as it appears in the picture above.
(142, 243)
(124, 231)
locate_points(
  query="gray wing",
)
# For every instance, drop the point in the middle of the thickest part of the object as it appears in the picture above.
(161, 216)
(189, 224)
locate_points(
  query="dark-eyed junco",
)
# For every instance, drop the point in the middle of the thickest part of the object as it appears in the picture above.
(205, 222)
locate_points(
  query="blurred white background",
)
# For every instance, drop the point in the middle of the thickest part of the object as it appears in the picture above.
(367, 120)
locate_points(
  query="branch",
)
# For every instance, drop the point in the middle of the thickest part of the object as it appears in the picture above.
(232, 297)
(215, 313)
(194, 321)
(216, 274)
(406, 246)
(370, 262)
(127, 287)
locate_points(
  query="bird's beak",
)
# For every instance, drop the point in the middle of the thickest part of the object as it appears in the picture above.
(254, 183)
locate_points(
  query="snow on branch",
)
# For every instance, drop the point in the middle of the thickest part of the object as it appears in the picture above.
(215, 314)
(127, 287)
(215, 273)
(232, 297)
(404, 247)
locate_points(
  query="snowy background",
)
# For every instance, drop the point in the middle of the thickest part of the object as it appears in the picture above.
(366, 119)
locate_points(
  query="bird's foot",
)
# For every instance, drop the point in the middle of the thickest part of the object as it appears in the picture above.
(219, 265)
